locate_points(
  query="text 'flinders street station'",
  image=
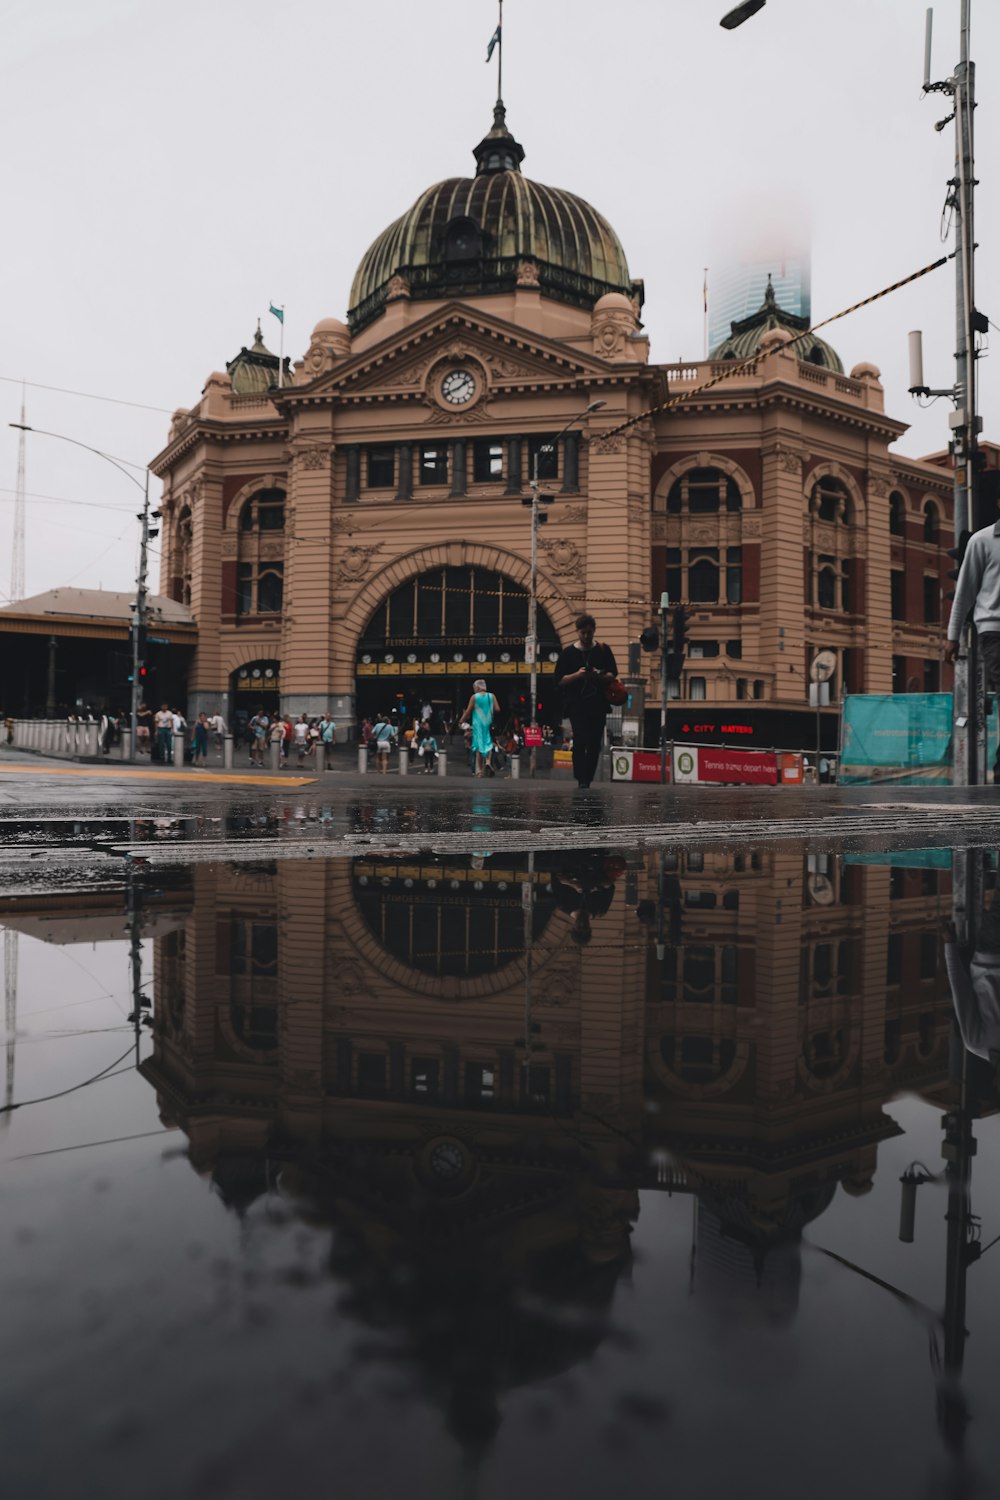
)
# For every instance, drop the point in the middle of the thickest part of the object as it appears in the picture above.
(356, 537)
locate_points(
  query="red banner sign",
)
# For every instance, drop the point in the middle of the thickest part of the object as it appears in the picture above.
(744, 766)
(532, 735)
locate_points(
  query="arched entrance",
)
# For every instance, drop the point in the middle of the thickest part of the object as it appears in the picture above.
(437, 632)
(254, 686)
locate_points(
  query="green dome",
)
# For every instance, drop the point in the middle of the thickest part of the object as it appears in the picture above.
(471, 235)
(746, 334)
(254, 370)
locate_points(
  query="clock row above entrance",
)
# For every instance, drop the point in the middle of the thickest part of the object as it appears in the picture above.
(511, 461)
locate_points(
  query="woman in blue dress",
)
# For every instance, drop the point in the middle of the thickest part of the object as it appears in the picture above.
(479, 713)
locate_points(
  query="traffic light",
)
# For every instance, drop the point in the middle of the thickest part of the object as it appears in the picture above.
(678, 642)
(958, 553)
(649, 639)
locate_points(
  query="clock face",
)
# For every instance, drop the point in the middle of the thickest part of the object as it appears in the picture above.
(458, 387)
(447, 1160)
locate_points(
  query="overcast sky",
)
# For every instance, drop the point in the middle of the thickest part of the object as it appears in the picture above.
(171, 168)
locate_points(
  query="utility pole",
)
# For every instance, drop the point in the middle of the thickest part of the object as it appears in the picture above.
(10, 946)
(968, 694)
(17, 550)
(139, 616)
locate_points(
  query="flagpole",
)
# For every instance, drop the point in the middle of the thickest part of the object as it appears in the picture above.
(704, 306)
(500, 59)
(281, 350)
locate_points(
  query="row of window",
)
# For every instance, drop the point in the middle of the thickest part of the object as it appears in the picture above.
(897, 519)
(695, 574)
(931, 596)
(490, 461)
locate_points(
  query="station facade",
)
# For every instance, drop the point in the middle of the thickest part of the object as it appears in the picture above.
(355, 539)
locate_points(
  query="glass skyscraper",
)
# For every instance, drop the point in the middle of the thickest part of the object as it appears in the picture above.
(737, 290)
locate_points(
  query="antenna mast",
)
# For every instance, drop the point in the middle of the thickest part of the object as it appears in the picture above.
(17, 550)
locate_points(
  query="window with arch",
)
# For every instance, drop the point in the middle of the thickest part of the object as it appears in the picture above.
(932, 524)
(182, 555)
(260, 566)
(829, 500)
(826, 587)
(897, 514)
(703, 575)
(702, 492)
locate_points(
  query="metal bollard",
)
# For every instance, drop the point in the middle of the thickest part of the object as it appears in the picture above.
(91, 739)
(442, 762)
(404, 759)
(178, 752)
(515, 767)
(125, 744)
(227, 753)
(363, 760)
(275, 751)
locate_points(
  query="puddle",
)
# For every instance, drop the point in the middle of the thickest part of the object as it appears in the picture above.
(426, 1172)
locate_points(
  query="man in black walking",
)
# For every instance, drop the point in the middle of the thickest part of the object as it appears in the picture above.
(582, 674)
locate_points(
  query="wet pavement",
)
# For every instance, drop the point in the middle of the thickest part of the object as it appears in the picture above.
(494, 1139)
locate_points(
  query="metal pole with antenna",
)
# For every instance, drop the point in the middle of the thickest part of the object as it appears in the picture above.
(139, 606)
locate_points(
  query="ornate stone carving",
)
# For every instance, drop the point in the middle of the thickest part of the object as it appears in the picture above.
(509, 369)
(563, 557)
(436, 415)
(528, 274)
(659, 529)
(704, 535)
(878, 484)
(614, 442)
(751, 527)
(398, 287)
(354, 563)
(314, 455)
(789, 459)
(572, 515)
(343, 523)
(271, 551)
(229, 545)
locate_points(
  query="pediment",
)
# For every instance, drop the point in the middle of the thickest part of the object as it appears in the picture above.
(510, 358)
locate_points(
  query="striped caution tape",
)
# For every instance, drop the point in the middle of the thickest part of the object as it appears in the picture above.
(750, 365)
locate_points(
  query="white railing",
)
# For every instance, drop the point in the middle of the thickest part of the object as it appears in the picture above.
(65, 737)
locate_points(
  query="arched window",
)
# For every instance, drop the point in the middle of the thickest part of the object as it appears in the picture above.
(182, 556)
(702, 492)
(897, 514)
(932, 525)
(830, 501)
(260, 563)
(703, 577)
(826, 588)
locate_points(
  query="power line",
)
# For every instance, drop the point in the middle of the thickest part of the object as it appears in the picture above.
(749, 366)
(87, 395)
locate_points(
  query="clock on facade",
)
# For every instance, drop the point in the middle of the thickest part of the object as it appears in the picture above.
(458, 387)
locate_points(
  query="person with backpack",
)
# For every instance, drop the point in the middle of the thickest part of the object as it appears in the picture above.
(327, 740)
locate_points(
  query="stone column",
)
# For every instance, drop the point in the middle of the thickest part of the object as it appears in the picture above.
(404, 469)
(306, 635)
(205, 500)
(352, 483)
(780, 523)
(571, 463)
(514, 446)
(459, 467)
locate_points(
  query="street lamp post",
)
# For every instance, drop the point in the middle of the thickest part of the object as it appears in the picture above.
(139, 605)
(531, 642)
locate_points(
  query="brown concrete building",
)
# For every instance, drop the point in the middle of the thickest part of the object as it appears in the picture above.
(357, 536)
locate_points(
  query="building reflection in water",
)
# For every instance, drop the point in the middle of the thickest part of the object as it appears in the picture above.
(470, 1068)
(727, 1025)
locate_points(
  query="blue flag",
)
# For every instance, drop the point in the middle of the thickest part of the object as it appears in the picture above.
(279, 313)
(494, 39)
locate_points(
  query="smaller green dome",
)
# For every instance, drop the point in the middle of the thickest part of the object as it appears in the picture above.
(255, 370)
(745, 336)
